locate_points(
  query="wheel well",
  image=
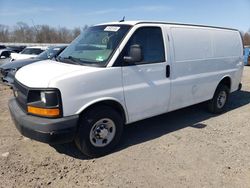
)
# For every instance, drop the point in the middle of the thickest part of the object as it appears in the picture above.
(226, 81)
(113, 104)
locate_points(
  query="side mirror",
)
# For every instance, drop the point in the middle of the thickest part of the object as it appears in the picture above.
(50, 55)
(135, 54)
(3, 57)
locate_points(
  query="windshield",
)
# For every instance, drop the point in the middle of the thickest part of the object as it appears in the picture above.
(32, 51)
(50, 53)
(95, 46)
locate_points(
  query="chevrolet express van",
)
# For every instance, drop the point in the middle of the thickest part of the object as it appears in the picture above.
(117, 73)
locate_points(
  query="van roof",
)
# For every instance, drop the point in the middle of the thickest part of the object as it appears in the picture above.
(162, 22)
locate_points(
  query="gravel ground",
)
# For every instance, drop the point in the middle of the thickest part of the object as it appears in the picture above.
(185, 148)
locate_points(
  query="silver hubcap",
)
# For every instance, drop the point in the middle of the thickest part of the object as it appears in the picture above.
(102, 133)
(221, 100)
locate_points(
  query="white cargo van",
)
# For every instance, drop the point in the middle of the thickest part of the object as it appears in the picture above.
(118, 73)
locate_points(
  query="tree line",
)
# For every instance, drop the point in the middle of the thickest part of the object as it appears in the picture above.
(23, 33)
(246, 38)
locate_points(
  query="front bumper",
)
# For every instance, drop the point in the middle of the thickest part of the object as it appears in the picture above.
(52, 131)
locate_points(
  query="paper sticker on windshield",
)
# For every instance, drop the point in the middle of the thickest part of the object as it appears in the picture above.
(112, 28)
(56, 49)
(99, 58)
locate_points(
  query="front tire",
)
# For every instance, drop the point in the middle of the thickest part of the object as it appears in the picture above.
(100, 130)
(217, 104)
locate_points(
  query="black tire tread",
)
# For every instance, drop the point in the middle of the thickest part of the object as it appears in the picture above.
(212, 104)
(87, 120)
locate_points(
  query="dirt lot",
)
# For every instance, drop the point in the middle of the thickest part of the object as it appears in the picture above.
(185, 148)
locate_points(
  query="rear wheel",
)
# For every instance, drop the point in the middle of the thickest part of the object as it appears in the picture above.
(218, 102)
(100, 130)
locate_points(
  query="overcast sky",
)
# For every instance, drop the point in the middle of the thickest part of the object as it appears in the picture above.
(77, 13)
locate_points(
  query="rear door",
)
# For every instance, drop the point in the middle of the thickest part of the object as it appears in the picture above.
(147, 83)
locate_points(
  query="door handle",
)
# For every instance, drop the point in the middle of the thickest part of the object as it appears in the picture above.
(168, 71)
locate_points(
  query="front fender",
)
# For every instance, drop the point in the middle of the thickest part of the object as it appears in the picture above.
(100, 100)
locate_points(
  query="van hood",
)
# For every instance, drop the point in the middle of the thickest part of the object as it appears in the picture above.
(39, 75)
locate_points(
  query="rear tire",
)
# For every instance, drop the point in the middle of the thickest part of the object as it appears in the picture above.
(100, 130)
(217, 104)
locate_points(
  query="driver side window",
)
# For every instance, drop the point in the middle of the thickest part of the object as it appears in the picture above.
(151, 42)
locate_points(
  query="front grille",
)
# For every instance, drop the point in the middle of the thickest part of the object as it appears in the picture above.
(21, 94)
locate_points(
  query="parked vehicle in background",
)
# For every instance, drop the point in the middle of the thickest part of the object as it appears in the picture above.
(28, 52)
(247, 55)
(16, 49)
(248, 60)
(5, 53)
(2, 46)
(122, 72)
(8, 70)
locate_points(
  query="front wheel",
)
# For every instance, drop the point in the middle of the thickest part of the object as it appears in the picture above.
(100, 130)
(218, 102)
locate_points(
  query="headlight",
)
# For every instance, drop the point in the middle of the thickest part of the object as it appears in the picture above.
(43, 97)
(46, 103)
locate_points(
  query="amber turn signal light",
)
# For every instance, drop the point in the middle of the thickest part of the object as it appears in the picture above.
(53, 112)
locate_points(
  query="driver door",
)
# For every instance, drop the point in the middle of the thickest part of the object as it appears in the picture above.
(147, 84)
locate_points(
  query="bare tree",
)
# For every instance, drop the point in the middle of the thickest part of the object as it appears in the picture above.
(22, 32)
(4, 33)
(85, 27)
(246, 38)
(76, 32)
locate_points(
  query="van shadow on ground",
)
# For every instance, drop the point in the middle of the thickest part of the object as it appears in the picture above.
(155, 127)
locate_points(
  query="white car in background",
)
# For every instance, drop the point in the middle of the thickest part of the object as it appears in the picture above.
(28, 52)
(5, 53)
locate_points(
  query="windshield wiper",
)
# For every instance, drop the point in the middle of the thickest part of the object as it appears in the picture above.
(73, 60)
